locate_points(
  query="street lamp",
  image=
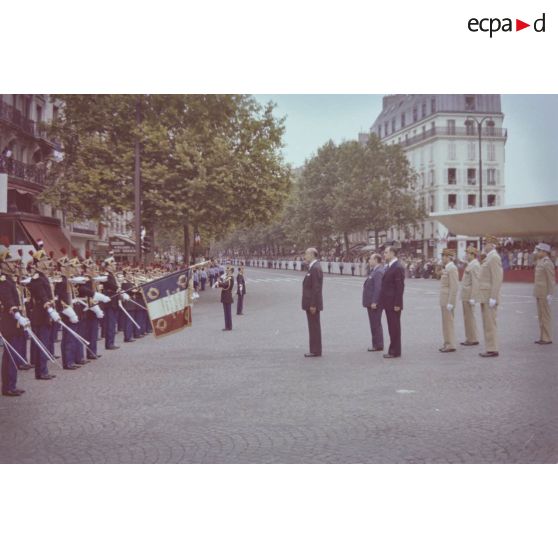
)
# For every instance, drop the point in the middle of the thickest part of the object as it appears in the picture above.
(469, 122)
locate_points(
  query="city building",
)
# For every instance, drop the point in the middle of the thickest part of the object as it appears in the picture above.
(26, 154)
(440, 137)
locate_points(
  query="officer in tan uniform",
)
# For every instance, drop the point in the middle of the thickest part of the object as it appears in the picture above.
(545, 281)
(449, 283)
(490, 283)
(470, 296)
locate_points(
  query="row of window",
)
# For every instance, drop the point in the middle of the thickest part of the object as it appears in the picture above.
(490, 176)
(470, 128)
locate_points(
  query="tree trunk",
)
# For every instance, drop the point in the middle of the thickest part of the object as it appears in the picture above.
(347, 246)
(186, 232)
(376, 239)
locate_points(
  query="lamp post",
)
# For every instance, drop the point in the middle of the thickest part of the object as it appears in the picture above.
(479, 123)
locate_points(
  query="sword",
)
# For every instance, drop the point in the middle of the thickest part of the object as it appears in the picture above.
(126, 312)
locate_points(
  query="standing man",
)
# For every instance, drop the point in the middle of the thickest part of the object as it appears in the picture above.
(226, 286)
(448, 295)
(371, 301)
(110, 289)
(391, 299)
(545, 282)
(490, 283)
(240, 291)
(469, 296)
(312, 300)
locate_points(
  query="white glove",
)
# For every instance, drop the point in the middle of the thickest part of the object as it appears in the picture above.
(125, 297)
(21, 320)
(449, 307)
(472, 301)
(96, 309)
(549, 298)
(70, 313)
(100, 297)
(54, 315)
(492, 302)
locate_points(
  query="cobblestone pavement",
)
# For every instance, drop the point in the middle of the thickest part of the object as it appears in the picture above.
(249, 396)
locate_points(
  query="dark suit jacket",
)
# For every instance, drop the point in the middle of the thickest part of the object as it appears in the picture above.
(226, 287)
(372, 287)
(393, 285)
(312, 288)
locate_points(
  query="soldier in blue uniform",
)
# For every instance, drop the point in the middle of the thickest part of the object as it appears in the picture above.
(110, 289)
(240, 291)
(226, 286)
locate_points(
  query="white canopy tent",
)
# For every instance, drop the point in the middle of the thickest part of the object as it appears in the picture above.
(537, 220)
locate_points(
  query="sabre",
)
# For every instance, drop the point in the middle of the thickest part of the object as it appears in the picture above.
(126, 312)
(40, 345)
(137, 304)
(74, 333)
(12, 349)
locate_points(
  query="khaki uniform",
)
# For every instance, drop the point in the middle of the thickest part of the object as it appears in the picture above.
(470, 291)
(449, 282)
(490, 283)
(545, 281)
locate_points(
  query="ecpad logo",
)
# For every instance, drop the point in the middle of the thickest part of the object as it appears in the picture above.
(493, 25)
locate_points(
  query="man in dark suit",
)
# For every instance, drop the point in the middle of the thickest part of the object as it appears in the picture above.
(371, 301)
(391, 299)
(312, 301)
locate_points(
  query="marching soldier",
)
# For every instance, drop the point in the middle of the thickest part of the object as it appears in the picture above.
(545, 282)
(449, 282)
(490, 283)
(469, 296)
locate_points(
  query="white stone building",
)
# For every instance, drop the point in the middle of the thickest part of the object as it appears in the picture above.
(440, 136)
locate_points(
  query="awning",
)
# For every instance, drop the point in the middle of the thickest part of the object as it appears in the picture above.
(532, 220)
(52, 236)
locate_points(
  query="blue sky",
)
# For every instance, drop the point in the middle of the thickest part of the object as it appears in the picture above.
(531, 149)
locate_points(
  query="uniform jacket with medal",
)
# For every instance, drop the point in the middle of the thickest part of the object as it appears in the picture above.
(545, 278)
(449, 282)
(226, 290)
(491, 276)
(470, 281)
(41, 293)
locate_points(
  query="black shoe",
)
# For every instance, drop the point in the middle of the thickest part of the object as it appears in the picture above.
(489, 354)
(94, 357)
(543, 342)
(374, 350)
(113, 348)
(391, 356)
(446, 350)
(11, 393)
(313, 354)
(81, 362)
(130, 341)
(227, 329)
(20, 391)
(25, 367)
(46, 377)
(239, 314)
(469, 343)
(73, 367)
(56, 356)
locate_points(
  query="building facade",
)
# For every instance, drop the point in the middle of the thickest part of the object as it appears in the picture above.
(440, 137)
(26, 154)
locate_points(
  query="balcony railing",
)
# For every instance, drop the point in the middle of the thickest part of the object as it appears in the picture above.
(15, 117)
(18, 169)
(451, 131)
